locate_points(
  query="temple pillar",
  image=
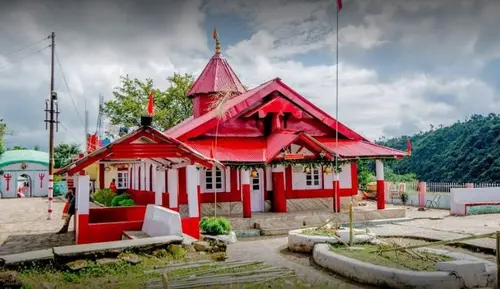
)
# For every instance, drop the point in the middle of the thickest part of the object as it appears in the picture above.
(102, 181)
(279, 196)
(336, 192)
(173, 189)
(245, 193)
(82, 190)
(379, 172)
(192, 181)
(159, 184)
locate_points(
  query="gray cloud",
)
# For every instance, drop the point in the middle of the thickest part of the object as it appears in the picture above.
(401, 56)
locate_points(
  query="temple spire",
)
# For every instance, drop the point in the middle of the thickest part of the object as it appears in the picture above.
(217, 43)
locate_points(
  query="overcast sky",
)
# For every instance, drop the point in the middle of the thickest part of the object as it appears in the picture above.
(403, 64)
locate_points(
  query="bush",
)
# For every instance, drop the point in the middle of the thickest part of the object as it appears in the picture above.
(104, 196)
(116, 200)
(126, 203)
(122, 200)
(215, 226)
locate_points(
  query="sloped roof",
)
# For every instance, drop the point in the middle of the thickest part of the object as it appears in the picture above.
(147, 132)
(24, 156)
(258, 149)
(217, 76)
(245, 101)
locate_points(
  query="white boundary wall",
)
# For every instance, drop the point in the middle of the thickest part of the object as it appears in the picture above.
(461, 197)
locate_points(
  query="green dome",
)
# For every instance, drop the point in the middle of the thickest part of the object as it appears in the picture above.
(24, 156)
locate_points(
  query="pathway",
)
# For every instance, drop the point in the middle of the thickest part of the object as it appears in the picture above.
(268, 250)
(24, 225)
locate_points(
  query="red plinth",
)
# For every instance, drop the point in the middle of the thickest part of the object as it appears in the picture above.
(279, 196)
(380, 195)
(247, 207)
(336, 198)
(82, 225)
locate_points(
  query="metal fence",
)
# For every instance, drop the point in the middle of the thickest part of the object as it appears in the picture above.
(441, 187)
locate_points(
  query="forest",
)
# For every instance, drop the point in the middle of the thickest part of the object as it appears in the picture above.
(467, 151)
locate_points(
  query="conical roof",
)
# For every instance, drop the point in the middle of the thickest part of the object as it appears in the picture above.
(217, 76)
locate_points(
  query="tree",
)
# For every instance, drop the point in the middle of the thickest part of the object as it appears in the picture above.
(130, 101)
(467, 151)
(3, 131)
(17, 148)
(36, 148)
(63, 154)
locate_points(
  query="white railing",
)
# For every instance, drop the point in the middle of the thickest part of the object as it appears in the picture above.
(435, 187)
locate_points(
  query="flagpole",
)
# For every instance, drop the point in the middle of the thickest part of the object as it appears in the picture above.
(337, 116)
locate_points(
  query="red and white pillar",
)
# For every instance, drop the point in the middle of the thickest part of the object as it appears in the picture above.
(422, 190)
(50, 195)
(336, 192)
(173, 189)
(245, 193)
(159, 186)
(82, 186)
(192, 184)
(279, 195)
(379, 173)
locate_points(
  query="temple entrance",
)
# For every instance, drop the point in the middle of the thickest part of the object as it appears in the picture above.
(24, 185)
(256, 192)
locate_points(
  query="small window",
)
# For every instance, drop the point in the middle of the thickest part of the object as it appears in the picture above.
(122, 180)
(313, 178)
(209, 181)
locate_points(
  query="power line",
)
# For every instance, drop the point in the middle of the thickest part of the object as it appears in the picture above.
(69, 132)
(69, 92)
(24, 47)
(26, 56)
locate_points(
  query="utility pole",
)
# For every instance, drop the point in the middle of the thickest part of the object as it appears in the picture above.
(51, 108)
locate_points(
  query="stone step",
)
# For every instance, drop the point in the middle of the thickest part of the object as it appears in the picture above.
(278, 231)
(247, 233)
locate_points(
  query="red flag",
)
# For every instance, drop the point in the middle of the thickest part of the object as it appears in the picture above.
(408, 146)
(339, 4)
(151, 109)
(214, 34)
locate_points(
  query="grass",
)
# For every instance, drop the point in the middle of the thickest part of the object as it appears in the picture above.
(392, 259)
(95, 276)
(125, 275)
(320, 232)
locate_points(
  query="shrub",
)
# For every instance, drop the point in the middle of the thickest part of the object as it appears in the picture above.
(104, 196)
(404, 198)
(116, 200)
(215, 226)
(126, 203)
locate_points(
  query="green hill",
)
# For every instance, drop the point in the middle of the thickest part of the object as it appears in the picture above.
(467, 151)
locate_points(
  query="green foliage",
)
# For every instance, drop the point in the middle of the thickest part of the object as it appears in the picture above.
(104, 196)
(365, 173)
(18, 148)
(3, 131)
(63, 153)
(122, 200)
(131, 97)
(215, 226)
(467, 151)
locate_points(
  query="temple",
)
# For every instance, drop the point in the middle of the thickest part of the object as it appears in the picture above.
(265, 149)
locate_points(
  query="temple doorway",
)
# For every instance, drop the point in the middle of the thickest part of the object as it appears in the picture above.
(24, 185)
(256, 192)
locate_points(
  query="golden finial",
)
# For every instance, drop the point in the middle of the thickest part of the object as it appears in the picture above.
(217, 43)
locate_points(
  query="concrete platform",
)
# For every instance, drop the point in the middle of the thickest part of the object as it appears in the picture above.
(294, 220)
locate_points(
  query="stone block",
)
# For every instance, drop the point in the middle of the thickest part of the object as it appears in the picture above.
(114, 247)
(27, 257)
(471, 272)
(236, 208)
(160, 221)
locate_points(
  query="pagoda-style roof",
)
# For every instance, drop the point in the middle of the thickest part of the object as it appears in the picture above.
(218, 76)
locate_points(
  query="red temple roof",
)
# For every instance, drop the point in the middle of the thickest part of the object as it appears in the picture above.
(241, 104)
(216, 77)
(258, 150)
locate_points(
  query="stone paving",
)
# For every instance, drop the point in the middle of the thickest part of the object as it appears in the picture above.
(24, 225)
